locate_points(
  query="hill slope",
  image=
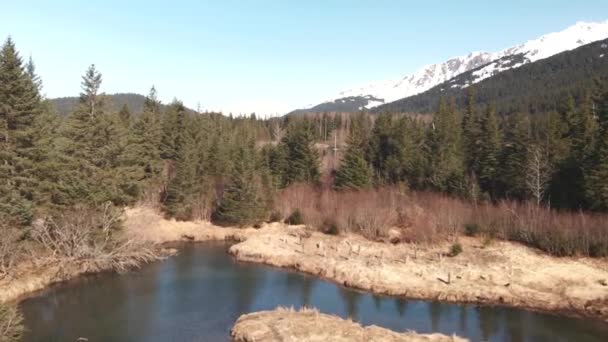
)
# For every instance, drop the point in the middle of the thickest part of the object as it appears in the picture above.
(533, 87)
(135, 102)
(114, 102)
(378, 93)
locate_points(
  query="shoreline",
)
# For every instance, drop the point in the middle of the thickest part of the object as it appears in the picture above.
(309, 325)
(502, 274)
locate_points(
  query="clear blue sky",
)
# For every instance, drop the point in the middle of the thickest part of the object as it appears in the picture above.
(264, 55)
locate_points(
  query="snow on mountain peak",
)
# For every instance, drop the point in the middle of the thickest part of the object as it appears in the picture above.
(429, 76)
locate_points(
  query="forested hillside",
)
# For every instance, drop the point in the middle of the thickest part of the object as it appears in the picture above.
(134, 103)
(532, 88)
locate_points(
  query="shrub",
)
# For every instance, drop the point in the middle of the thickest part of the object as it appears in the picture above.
(426, 217)
(93, 236)
(296, 218)
(471, 229)
(598, 250)
(11, 324)
(330, 227)
(275, 216)
(455, 249)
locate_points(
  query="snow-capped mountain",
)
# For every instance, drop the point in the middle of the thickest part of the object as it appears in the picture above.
(377, 93)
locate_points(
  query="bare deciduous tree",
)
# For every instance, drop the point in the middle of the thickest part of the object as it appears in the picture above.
(537, 173)
(276, 130)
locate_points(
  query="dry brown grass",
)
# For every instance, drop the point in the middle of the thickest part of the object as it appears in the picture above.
(11, 324)
(309, 325)
(424, 217)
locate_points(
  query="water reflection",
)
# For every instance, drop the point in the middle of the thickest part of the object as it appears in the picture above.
(198, 295)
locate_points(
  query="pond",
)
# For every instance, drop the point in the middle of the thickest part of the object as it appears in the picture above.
(198, 294)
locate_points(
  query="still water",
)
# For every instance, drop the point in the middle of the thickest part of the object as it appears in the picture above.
(197, 296)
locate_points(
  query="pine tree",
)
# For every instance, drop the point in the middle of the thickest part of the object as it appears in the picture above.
(596, 176)
(177, 199)
(354, 172)
(514, 157)
(385, 150)
(240, 203)
(301, 156)
(125, 115)
(20, 107)
(445, 150)
(489, 152)
(94, 149)
(173, 130)
(471, 133)
(142, 160)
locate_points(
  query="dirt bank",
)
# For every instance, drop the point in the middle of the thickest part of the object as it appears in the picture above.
(308, 325)
(500, 273)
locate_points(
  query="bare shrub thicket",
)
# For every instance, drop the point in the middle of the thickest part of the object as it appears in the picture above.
(561, 233)
(371, 213)
(428, 217)
(91, 238)
(11, 323)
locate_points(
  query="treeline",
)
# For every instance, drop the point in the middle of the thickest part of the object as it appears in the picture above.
(558, 159)
(191, 165)
(209, 166)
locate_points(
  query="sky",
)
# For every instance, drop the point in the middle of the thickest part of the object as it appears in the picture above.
(265, 56)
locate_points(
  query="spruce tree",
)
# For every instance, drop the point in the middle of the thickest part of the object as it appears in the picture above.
(514, 157)
(125, 115)
(445, 150)
(173, 130)
(142, 160)
(94, 149)
(489, 152)
(354, 172)
(177, 199)
(20, 107)
(471, 133)
(240, 203)
(596, 176)
(301, 156)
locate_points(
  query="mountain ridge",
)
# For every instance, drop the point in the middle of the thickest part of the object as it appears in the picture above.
(531, 88)
(428, 76)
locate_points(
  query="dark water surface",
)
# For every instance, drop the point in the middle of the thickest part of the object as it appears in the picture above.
(197, 296)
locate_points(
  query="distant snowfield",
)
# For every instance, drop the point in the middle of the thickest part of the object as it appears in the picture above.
(581, 33)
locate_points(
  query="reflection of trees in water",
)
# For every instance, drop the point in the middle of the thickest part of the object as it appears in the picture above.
(351, 300)
(92, 305)
(463, 318)
(246, 282)
(435, 312)
(401, 306)
(489, 321)
(307, 285)
(516, 324)
(377, 302)
(296, 283)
